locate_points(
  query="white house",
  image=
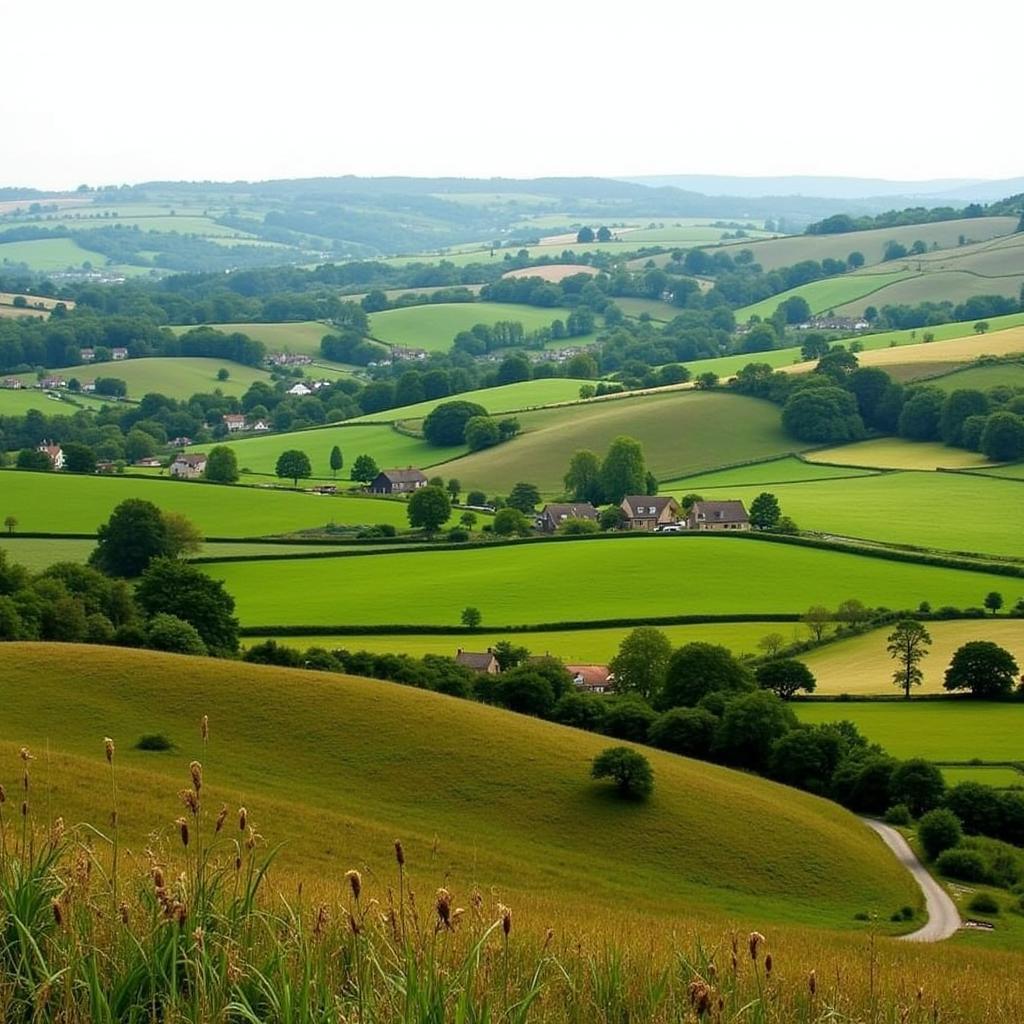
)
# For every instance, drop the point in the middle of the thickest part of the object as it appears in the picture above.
(55, 453)
(234, 422)
(260, 426)
(299, 389)
(188, 467)
(117, 354)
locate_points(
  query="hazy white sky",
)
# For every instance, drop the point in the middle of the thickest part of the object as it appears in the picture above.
(109, 91)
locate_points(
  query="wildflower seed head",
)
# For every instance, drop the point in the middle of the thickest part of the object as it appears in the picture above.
(196, 771)
(123, 912)
(158, 877)
(25, 755)
(812, 983)
(221, 818)
(399, 853)
(444, 908)
(183, 830)
(506, 920)
(24, 808)
(108, 747)
(3, 795)
(243, 817)
(204, 727)
(355, 882)
(191, 802)
(700, 996)
(754, 943)
(768, 964)
(58, 913)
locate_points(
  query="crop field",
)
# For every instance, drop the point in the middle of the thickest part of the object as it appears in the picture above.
(1000, 778)
(340, 766)
(48, 254)
(529, 583)
(17, 403)
(434, 327)
(383, 443)
(822, 296)
(663, 312)
(573, 646)
(782, 252)
(788, 469)
(62, 503)
(528, 394)
(173, 376)
(982, 377)
(302, 337)
(672, 426)
(938, 286)
(936, 730)
(861, 665)
(899, 453)
(34, 301)
(906, 508)
(554, 272)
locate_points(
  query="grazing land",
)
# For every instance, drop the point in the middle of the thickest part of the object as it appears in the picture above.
(61, 503)
(900, 453)
(555, 272)
(530, 583)
(672, 426)
(822, 296)
(983, 377)
(788, 469)
(302, 337)
(434, 327)
(663, 312)
(1000, 778)
(17, 403)
(936, 730)
(861, 665)
(49, 254)
(341, 766)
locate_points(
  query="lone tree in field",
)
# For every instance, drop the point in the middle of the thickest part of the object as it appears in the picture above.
(764, 511)
(993, 601)
(984, 668)
(221, 465)
(293, 465)
(628, 769)
(10, 523)
(429, 509)
(604, 234)
(785, 677)
(907, 645)
(364, 469)
(585, 235)
(337, 461)
(471, 617)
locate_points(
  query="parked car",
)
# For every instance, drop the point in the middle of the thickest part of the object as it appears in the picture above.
(670, 528)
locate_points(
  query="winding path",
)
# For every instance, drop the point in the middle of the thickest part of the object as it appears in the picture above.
(943, 917)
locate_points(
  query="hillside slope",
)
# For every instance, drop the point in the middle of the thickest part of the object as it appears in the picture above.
(340, 766)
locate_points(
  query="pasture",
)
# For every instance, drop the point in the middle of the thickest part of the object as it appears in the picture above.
(656, 309)
(434, 327)
(301, 338)
(781, 252)
(17, 403)
(64, 503)
(936, 730)
(938, 286)
(339, 767)
(555, 272)
(821, 296)
(982, 378)
(861, 666)
(787, 469)
(49, 254)
(383, 443)
(920, 509)
(899, 453)
(176, 377)
(672, 426)
(585, 581)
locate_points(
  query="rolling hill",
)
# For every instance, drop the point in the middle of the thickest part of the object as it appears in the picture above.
(339, 766)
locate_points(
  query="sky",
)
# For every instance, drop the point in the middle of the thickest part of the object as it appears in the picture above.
(114, 92)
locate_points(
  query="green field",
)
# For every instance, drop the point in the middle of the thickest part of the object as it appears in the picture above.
(302, 337)
(936, 730)
(899, 453)
(783, 252)
(61, 503)
(585, 581)
(528, 394)
(17, 403)
(823, 295)
(386, 445)
(434, 327)
(573, 646)
(788, 469)
(337, 767)
(982, 377)
(861, 666)
(681, 432)
(1000, 778)
(654, 308)
(48, 254)
(175, 377)
(904, 508)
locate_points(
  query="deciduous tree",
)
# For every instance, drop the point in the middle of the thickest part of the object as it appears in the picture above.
(984, 668)
(429, 509)
(293, 465)
(641, 662)
(907, 645)
(628, 769)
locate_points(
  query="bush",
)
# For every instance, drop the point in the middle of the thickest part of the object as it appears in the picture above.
(983, 903)
(918, 784)
(629, 718)
(686, 731)
(169, 633)
(629, 769)
(961, 864)
(154, 741)
(898, 814)
(939, 830)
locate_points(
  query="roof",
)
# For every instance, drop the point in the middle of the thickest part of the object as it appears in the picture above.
(577, 510)
(191, 460)
(234, 417)
(403, 476)
(659, 504)
(721, 511)
(591, 675)
(473, 659)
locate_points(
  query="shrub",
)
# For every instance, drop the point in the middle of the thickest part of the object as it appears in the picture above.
(169, 633)
(629, 718)
(918, 784)
(629, 769)
(686, 731)
(898, 814)
(962, 864)
(154, 741)
(983, 903)
(939, 830)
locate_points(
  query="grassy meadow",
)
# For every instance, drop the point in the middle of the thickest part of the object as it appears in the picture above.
(49, 254)
(539, 583)
(786, 469)
(824, 295)
(983, 377)
(301, 338)
(17, 403)
(62, 503)
(900, 453)
(861, 666)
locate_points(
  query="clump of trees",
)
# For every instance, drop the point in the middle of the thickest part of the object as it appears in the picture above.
(622, 471)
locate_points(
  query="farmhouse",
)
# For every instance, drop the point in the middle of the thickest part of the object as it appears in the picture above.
(300, 389)
(87, 355)
(117, 354)
(592, 678)
(54, 452)
(234, 421)
(484, 662)
(188, 467)
(834, 323)
(88, 386)
(552, 516)
(12, 383)
(288, 359)
(151, 462)
(718, 515)
(260, 426)
(52, 383)
(648, 512)
(398, 481)
(180, 442)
